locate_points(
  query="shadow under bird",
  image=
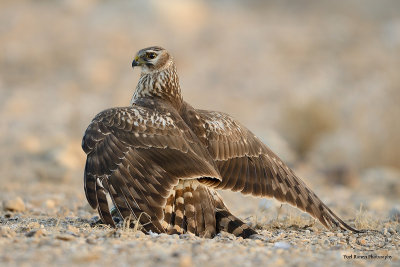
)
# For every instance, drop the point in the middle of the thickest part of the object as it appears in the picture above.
(160, 161)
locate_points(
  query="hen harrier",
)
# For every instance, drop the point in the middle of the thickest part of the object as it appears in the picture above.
(160, 161)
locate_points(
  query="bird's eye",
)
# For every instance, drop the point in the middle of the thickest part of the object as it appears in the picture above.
(151, 55)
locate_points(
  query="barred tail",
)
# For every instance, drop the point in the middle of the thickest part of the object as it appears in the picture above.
(227, 222)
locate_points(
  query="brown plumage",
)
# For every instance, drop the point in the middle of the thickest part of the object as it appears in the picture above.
(160, 160)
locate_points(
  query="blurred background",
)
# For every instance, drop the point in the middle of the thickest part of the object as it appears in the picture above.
(318, 81)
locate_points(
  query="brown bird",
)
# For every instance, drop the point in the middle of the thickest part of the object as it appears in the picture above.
(160, 161)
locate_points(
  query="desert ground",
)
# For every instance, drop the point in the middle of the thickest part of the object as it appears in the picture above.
(318, 82)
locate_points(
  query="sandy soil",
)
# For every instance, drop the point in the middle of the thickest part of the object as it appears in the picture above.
(318, 82)
(56, 227)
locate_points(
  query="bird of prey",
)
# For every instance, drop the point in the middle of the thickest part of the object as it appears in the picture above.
(160, 161)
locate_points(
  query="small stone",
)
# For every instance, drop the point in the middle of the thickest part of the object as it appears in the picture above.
(259, 237)
(73, 229)
(330, 234)
(258, 242)
(394, 214)
(36, 233)
(363, 242)
(50, 204)
(6, 231)
(185, 261)
(279, 262)
(139, 234)
(33, 225)
(153, 234)
(91, 241)
(227, 235)
(65, 237)
(16, 204)
(339, 234)
(282, 245)
(86, 257)
(174, 236)
(163, 236)
(307, 232)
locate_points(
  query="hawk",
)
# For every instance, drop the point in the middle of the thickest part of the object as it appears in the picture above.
(160, 161)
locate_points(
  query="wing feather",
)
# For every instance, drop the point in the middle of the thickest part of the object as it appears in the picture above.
(139, 154)
(248, 165)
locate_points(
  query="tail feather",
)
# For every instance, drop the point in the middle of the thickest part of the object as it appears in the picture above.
(189, 209)
(208, 206)
(227, 222)
(102, 206)
(179, 208)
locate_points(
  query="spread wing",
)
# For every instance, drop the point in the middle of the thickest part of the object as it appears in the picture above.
(249, 166)
(137, 155)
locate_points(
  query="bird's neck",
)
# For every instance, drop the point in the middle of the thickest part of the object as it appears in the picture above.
(162, 84)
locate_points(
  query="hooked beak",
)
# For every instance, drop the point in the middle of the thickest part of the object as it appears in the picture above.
(135, 62)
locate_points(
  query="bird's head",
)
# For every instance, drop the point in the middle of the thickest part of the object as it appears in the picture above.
(152, 59)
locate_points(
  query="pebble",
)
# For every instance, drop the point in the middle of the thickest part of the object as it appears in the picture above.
(185, 261)
(279, 262)
(282, 245)
(73, 229)
(363, 241)
(258, 237)
(188, 236)
(258, 242)
(16, 204)
(174, 236)
(33, 225)
(91, 241)
(65, 237)
(384, 231)
(163, 236)
(50, 204)
(307, 232)
(227, 235)
(36, 233)
(86, 257)
(339, 234)
(153, 234)
(394, 214)
(6, 231)
(139, 234)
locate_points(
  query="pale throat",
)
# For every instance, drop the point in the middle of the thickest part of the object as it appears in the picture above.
(159, 84)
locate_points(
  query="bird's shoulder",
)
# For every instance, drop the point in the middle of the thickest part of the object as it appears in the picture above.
(209, 124)
(223, 135)
(138, 120)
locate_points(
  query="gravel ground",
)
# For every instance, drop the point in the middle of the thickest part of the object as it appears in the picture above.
(48, 232)
(317, 81)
